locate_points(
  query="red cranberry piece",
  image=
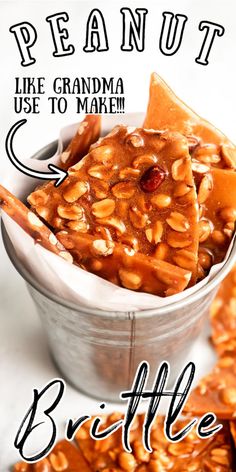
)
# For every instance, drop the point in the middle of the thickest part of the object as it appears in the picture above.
(152, 179)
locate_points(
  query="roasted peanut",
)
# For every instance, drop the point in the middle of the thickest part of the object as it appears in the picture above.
(181, 189)
(138, 219)
(73, 192)
(115, 223)
(178, 222)
(80, 225)
(140, 453)
(229, 155)
(207, 154)
(228, 214)
(130, 279)
(161, 201)
(59, 461)
(185, 259)
(179, 169)
(228, 396)
(102, 154)
(161, 251)
(129, 173)
(127, 461)
(178, 240)
(178, 449)
(98, 171)
(34, 220)
(100, 189)
(135, 139)
(103, 208)
(199, 168)
(144, 160)
(205, 229)
(124, 190)
(205, 259)
(102, 247)
(154, 233)
(70, 212)
(204, 189)
(218, 237)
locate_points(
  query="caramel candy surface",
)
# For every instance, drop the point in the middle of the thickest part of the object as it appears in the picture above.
(31, 224)
(87, 133)
(166, 111)
(217, 391)
(190, 454)
(64, 457)
(213, 164)
(135, 187)
(223, 316)
(123, 266)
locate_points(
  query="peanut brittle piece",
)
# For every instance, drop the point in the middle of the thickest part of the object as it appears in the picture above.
(31, 224)
(135, 187)
(64, 457)
(123, 266)
(232, 425)
(217, 391)
(218, 216)
(88, 132)
(166, 111)
(223, 315)
(189, 455)
(210, 150)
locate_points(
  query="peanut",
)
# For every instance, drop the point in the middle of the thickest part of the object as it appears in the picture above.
(130, 279)
(205, 188)
(161, 201)
(103, 208)
(70, 212)
(127, 461)
(154, 234)
(178, 222)
(102, 247)
(229, 155)
(124, 190)
(59, 461)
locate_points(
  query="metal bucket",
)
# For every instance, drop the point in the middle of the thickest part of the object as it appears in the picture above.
(98, 351)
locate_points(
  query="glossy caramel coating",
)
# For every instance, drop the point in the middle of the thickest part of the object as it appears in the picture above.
(31, 224)
(87, 133)
(123, 266)
(64, 457)
(190, 454)
(213, 164)
(216, 392)
(134, 187)
(223, 316)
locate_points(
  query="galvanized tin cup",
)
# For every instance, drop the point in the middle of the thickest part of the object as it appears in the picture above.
(98, 351)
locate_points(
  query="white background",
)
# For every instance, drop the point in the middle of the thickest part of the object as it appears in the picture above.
(210, 90)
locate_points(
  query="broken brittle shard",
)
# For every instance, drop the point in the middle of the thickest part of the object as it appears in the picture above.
(87, 133)
(191, 454)
(223, 316)
(136, 188)
(216, 391)
(150, 209)
(213, 163)
(166, 111)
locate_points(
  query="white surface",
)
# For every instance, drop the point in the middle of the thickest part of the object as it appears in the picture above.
(24, 360)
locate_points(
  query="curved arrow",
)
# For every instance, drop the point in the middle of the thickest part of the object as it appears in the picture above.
(57, 174)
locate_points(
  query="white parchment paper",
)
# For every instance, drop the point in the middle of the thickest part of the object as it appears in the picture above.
(69, 281)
